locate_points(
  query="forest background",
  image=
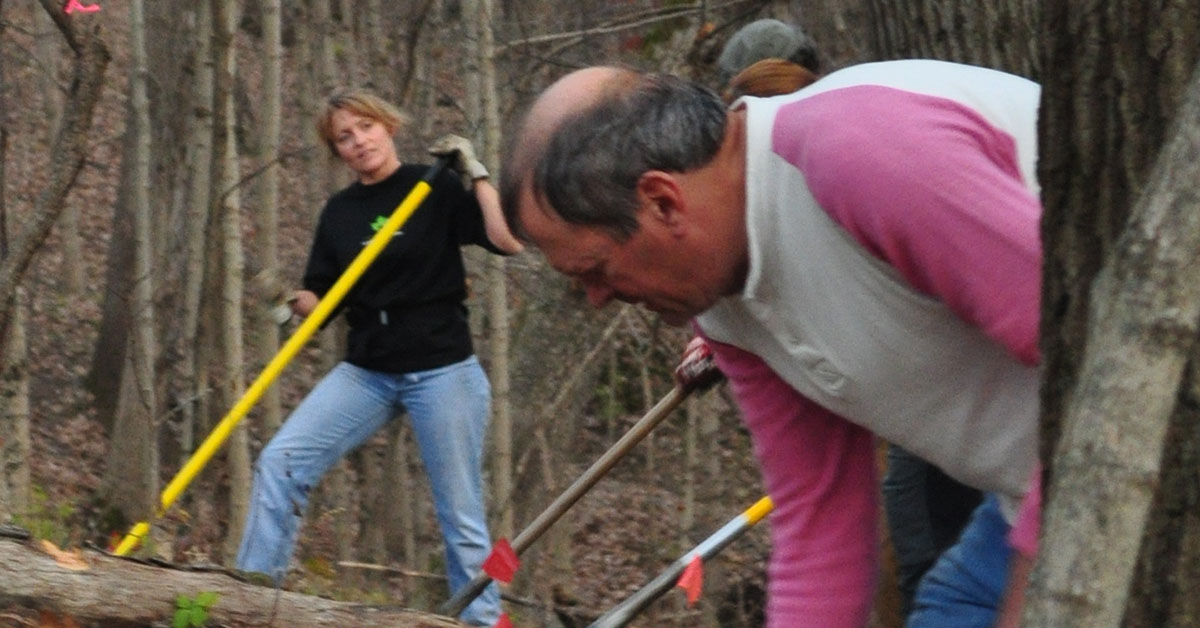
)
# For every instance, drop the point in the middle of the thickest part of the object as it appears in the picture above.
(160, 181)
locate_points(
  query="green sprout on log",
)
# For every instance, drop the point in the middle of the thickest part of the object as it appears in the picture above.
(193, 612)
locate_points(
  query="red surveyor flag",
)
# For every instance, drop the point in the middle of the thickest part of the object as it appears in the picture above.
(502, 563)
(74, 5)
(692, 579)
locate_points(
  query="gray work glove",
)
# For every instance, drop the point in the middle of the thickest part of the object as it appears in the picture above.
(463, 154)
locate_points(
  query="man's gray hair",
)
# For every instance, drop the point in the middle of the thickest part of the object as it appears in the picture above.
(592, 164)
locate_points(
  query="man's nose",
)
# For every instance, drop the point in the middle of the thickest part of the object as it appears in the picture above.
(598, 294)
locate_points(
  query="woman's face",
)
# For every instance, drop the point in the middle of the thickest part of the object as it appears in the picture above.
(365, 144)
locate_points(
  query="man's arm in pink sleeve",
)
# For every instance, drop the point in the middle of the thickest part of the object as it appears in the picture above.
(933, 189)
(1024, 538)
(819, 469)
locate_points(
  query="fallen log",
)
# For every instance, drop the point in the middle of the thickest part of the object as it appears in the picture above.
(98, 589)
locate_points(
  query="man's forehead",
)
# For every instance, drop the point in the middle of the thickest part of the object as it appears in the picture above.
(570, 249)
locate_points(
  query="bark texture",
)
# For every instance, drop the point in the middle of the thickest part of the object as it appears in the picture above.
(1145, 310)
(1116, 78)
(122, 593)
(991, 34)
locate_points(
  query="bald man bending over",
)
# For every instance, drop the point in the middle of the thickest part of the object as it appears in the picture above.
(862, 255)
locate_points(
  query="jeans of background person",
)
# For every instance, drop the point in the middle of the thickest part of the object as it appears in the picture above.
(966, 586)
(926, 511)
(448, 409)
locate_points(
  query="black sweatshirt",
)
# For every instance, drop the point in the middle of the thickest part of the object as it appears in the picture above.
(406, 311)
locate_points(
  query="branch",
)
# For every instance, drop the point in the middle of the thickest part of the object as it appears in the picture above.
(66, 160)
(651, 16)
(54, 8)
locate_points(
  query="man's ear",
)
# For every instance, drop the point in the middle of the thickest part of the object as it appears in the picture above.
(659, 193)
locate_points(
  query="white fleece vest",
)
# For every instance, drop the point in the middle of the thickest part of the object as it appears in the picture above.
(846, 331)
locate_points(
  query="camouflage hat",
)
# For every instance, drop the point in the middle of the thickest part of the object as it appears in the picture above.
(766, 39)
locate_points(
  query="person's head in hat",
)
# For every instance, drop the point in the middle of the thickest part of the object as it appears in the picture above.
(766, 39)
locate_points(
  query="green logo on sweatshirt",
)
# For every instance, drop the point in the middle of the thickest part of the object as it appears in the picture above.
(378, 224)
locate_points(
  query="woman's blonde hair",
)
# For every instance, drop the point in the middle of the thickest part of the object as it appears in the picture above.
(359, 101)
(769, 77)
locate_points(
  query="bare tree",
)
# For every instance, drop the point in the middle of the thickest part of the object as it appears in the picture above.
(14, 367)
(131, 477)
(266, 332)
(200, 138)
(228, 203)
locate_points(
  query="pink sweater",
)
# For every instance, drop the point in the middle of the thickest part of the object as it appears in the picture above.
(929, 187)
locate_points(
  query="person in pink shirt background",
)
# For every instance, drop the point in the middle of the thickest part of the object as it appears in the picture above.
(863, 257)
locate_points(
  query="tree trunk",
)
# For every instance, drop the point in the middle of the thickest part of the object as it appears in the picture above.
(497, 281)
(1145, 306)
(131, 477)
(991, 34)
(123, 593)
(266, 336)
(648, 402)
(687, 514)
(199, 210)
(1133, 62)
(14, 409)
(228, 201)
(14, 365)
(400, 538)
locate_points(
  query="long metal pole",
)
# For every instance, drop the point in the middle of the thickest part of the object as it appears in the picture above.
(623, 613)
(311, 324)
(559, 506)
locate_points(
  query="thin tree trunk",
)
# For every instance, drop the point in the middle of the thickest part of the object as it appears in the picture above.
(14, 366)
(229, 205)
(267, 245)
(14, 408)
(401, 537)
(498, 316)
(199, 210)
(687, 517)
(647, 403)
(131, 478)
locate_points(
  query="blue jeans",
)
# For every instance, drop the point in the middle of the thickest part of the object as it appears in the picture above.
(448, 408)
(965, 587)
